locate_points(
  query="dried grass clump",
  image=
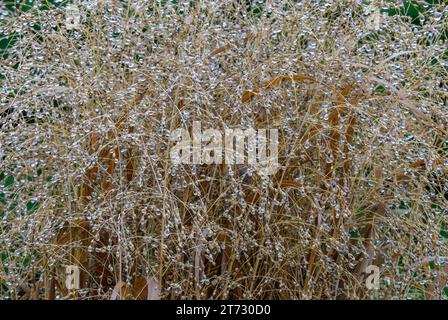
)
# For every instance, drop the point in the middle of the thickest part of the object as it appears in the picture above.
(86, 177)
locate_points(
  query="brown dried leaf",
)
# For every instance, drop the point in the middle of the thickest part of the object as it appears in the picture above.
(140, 288)
(248, 95)
(219, 50)
(289, 184)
